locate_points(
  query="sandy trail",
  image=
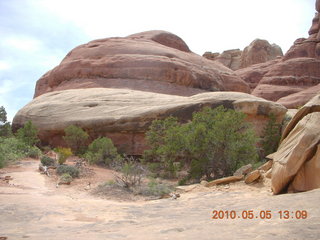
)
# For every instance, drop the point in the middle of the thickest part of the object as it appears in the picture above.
(32, 208)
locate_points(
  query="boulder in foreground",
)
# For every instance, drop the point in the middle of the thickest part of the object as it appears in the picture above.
(296, 164)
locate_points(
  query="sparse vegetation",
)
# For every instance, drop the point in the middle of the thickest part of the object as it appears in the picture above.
(28, 134)
(102, 151)
(130, 173)
(271, 136)
(12, 149)
(155, 188)
(5, 127)
(47, 161)
(73, 171)
(214, 144)
(33, 152)
(76, 138)
(63, 154)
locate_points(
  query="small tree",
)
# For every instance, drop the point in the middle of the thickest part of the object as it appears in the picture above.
(76, 138)
(271, 135)
(5, 127)
(3, 115)
(215, 143)
(28, 134)
(102, 150)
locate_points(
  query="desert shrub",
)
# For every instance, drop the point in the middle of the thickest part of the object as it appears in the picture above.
(63, 154)
(65, 178)
(5, 130)
(12, 149)
(215, 143)
(33, 152)
(102, 151)
(2, 161)
(73, 171)
(271, 136)
(47, 161)
(155, 188)
(166, 139)
(3, 114)
(5, 127)
(28, 134)
(130, 173)
(76, 138)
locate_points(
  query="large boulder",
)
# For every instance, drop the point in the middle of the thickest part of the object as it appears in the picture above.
(297, 160)
(124, 115)
(154, 61)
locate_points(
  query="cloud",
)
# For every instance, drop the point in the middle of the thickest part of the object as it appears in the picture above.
(22, 43)
(4, 65)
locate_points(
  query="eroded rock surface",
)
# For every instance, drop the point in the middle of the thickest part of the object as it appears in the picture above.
(258, 51)
(125, 115)
(297, 160)
(154, 61)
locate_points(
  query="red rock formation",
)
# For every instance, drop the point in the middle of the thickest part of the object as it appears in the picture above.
(298, 71)
(154, 61)
(259, 51)
(300, 98)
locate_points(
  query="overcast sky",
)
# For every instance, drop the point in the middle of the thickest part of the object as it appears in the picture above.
(37, 34)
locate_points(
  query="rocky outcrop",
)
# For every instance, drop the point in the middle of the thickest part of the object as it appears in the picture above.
(154, 61)
(293, 79)
(229, 58)
(259, 51)
(297, 160)
(288, 77)
(299, 98)
(124, 115)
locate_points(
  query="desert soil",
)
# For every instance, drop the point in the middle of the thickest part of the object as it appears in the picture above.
(32, 207)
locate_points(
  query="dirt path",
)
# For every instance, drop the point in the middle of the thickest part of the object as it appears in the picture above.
(32, 208)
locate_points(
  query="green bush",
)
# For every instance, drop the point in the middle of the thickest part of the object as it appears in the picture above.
(34, 152)
(65, 178)
(28, 134)
(12, 149)
(73, 171)
(47, 161)
(2, 161)
(102, 151)
(63, 154)
(271, 136)
(131, 173)
(167, 141)
(5, 127)
(5, 130)
(156, 188)
(76, 138)
(215, 143)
